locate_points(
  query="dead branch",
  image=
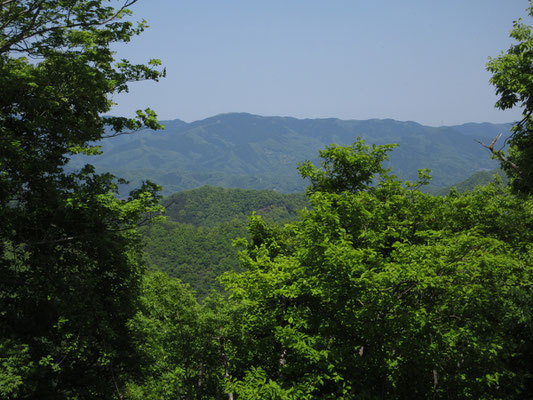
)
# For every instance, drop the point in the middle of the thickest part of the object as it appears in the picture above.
(498, 154)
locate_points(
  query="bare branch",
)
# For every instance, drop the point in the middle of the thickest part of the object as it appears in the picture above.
(498, 154)
(143, 222)
(523, 120)
(116, 384)
(65, 239)
(6, 2)
(112, 135)
(225, 363)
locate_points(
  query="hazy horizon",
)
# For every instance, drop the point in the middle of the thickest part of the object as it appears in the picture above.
(409, 61)
(343, 119)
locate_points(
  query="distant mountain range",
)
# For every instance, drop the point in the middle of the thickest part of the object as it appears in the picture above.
(239, 150)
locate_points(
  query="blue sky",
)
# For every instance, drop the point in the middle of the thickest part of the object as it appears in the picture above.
(419, 60)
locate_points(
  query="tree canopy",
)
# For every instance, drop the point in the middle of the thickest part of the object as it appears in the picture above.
(376, 291)
(381, 291)
(69, 251)
(512, 74)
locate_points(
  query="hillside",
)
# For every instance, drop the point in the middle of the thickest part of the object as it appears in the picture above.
(195, 243)
(480, 178)
(249, 151)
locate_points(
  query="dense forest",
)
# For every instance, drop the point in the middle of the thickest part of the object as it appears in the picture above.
(249, 151)
(195, 242)
(366, 287)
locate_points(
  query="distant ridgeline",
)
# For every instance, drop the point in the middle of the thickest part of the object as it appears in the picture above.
(255, 152)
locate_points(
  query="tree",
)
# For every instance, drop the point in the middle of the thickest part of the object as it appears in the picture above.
(176, 344)
(381, 291)
(512, 74)
(69, 251)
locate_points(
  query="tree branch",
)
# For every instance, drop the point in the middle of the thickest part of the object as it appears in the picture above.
(116, 384)
(34, 7)
(119, 134)
(499, 154)
(6, 2)
(28, 31)
(226, 366)
(523, 120)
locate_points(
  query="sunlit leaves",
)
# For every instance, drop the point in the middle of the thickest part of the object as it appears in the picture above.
(512, 77)
(385, 292)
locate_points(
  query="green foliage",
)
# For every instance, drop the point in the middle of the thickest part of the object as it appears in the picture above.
(195, 255)
(512, 76)
(209, 206)
(16, 366)
(195, 243)
(346, 169)
(257, 386)
(70, 254)
(480, 178)
(376, 291)
(254, 152)
(176, 344)
(381, 291)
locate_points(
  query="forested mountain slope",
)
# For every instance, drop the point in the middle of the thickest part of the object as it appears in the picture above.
(210, 206)
(251, 151)
(375, 291)
(195, 243)
(480, 178)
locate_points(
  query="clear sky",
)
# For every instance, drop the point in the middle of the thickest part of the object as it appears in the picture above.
(418, 60)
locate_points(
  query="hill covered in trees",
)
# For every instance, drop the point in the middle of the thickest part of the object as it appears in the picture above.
(250, 151)
(376, 290)
(479, 178)
(195, 243)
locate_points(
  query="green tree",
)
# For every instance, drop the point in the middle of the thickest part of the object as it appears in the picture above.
(512, 74)
(195, 243)
(381, 291)
(176, 342)
(69, 249)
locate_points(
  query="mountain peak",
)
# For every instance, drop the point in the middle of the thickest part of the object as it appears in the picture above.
(262, 152)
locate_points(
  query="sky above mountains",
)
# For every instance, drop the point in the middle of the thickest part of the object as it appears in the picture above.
(419, 60)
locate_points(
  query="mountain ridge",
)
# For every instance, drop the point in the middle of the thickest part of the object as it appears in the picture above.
(243, 150)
